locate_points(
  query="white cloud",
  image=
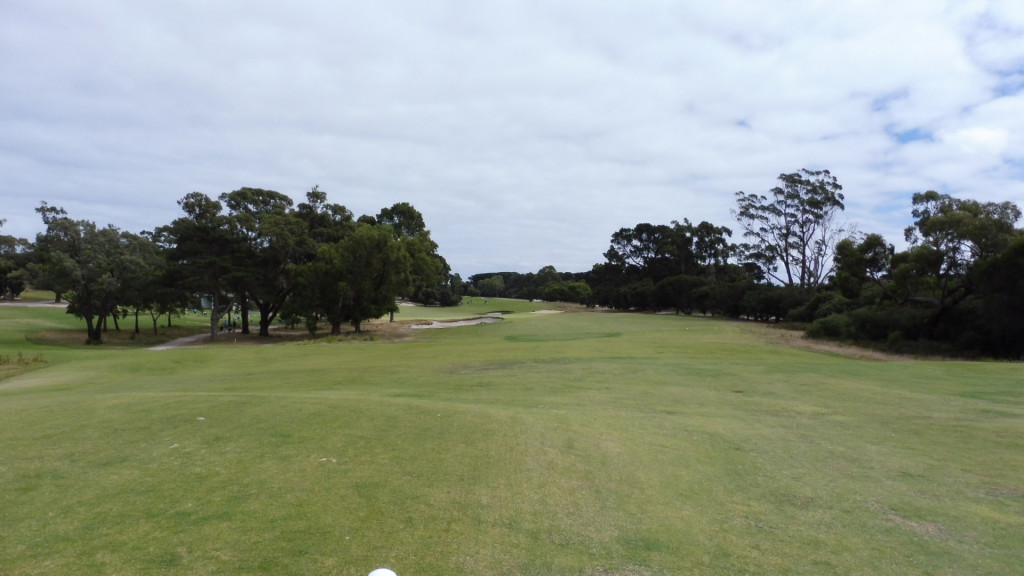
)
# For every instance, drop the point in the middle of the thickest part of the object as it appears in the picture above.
(525, 131)
(978, 140)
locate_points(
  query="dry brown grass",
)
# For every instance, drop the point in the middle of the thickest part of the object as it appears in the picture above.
(796, 339)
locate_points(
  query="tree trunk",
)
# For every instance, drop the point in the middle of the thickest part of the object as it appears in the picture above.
(93, 329)
(244, 305)
(266, 317)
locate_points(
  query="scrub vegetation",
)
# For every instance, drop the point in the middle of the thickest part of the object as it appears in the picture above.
(581, 443)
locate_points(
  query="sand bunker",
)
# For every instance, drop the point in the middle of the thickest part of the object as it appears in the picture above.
(457, 323)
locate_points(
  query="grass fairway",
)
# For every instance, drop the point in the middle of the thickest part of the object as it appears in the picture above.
(592, 444)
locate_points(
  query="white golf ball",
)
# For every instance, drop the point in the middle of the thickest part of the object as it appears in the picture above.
(382, 572)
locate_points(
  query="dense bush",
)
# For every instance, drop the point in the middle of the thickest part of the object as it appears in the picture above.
(821, 305)
(835, 327)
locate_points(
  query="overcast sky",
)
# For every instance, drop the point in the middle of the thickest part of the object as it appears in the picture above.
(526, 132)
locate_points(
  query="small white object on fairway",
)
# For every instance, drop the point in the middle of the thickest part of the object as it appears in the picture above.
(382, 572)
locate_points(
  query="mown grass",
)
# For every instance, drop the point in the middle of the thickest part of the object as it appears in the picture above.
(582, 443)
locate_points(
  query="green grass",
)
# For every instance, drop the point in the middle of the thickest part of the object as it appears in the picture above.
(583, 443)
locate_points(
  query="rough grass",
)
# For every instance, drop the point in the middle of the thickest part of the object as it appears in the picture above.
(585, 443)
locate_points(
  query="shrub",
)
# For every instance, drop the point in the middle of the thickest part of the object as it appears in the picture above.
(835, 326)
(821, 305)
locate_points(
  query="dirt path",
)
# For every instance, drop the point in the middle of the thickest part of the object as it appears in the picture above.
(181, 342)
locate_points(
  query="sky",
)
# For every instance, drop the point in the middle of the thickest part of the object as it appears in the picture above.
(525, 131)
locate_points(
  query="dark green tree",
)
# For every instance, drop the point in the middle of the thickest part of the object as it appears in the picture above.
(575, 291)
(374, 271)
(353, 280)
(89, 265)
(862, 263)
(428, 271)
(948, 238)
(326, 222)
(274, 239)
(14, 259)
(202, 250)
(41, 268)
(655, 266)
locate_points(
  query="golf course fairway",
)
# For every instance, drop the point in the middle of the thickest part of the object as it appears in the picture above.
(577, 443)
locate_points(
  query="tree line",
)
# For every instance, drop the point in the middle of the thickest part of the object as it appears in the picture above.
(957, 288)
(250, 252)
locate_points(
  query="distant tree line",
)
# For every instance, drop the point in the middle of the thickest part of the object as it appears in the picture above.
(249, 254)
(957, 289)
(546, 284)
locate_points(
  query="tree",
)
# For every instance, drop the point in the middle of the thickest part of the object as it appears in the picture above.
(14, 257)
(201, 252)
(320, 289)
(146, 287)
(325, 222)
(644, 251)
(956, 288)
(88, 265)
(404, 219)
(492, 286)
(1000, 290)
(273, 239)
(948, 238)
(654, 266)
(794, 231)
(352, 280)
(41, 269)
(861, 263)
(374, 271)
(573, 291)
(428, 270)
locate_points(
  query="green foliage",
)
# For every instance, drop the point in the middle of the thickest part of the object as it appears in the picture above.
(823, 304)
(352, 280)
(833, 326)
(680, 292)
(98, 270)
(638, 295)
(660, 266)
(428, 270)
(577, 292)
(492, 286)
(956, 289)
(768, 302)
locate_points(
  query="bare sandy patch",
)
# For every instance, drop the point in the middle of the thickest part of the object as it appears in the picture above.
(457, 323)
